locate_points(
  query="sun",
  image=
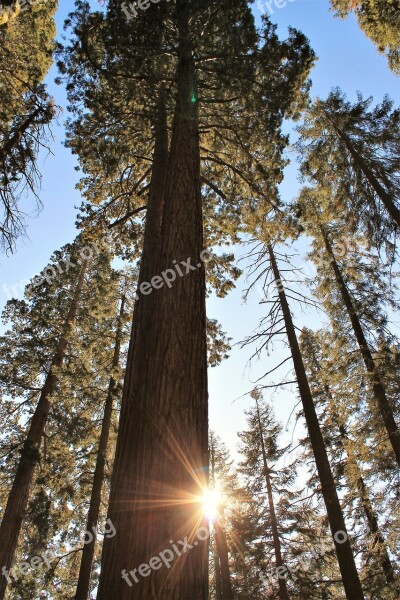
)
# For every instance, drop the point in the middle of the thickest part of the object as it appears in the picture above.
(211, 501)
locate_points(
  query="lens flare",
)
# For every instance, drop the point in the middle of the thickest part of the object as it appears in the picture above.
(211, 504)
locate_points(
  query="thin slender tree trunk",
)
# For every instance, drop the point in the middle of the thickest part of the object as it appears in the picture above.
(223, 579)
(362, 489)
(19, 494)
(383, 194)
(350, 578)
(217, 569)
(83, 586)
(379, 391)
(222, 550)
(283, 592)
(161, 461)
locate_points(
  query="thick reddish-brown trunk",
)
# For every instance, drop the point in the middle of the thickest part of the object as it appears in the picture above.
(378, 387)
(83, 586)
(351, 581)
(283, 592)
(162, 448)
(19, 494)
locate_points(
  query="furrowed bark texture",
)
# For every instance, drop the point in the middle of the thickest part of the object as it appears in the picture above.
(351, 581)
(283, 592)
(83, 586)
(378, 387)
(19, 493)
(162, 449)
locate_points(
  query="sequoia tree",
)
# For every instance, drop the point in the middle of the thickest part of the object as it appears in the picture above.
(200, 68)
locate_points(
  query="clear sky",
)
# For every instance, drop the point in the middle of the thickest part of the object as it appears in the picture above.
(346, 59)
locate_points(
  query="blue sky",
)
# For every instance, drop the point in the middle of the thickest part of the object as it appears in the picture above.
(346, 59)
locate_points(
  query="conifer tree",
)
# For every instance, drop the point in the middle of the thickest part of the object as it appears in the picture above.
(26, 47)
(380, 21)
(358, 305)
(47, 328)
(261, 449)
(191, 44)
(280, 313)
(352, 149)
(333, 414)
(83, 585)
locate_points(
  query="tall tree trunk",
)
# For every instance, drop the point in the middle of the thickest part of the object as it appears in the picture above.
(19, 494)
(351, 581)
(83, 586)
(223, 574)
(283, 592)
(160, 469)
(222, 550)
(386, 198)
(217, 569)
(370, 514)
(379, 391)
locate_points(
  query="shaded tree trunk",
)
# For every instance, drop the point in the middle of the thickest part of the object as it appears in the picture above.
(217, 569)
(161, 463)
(350, 578)
(379, 391)
(223, 574)
(83, 586)
(19, 494)
(222, 551)
(283, 592)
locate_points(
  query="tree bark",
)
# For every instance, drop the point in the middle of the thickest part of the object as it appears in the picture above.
(379, 391)
(221, 561)
(19, 494)
(83, 586)
(283, 592)
(217, 568)
(222, 551)
(347, 566)
(161, 463)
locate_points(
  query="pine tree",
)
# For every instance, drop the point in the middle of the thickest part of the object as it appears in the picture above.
(27, 373)
(280, 312)
(380, 21)
(83, 585)
(187, 43)
(333, 414)
(261, 449)
(358, 305)
(25, 109)
(353, 150)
